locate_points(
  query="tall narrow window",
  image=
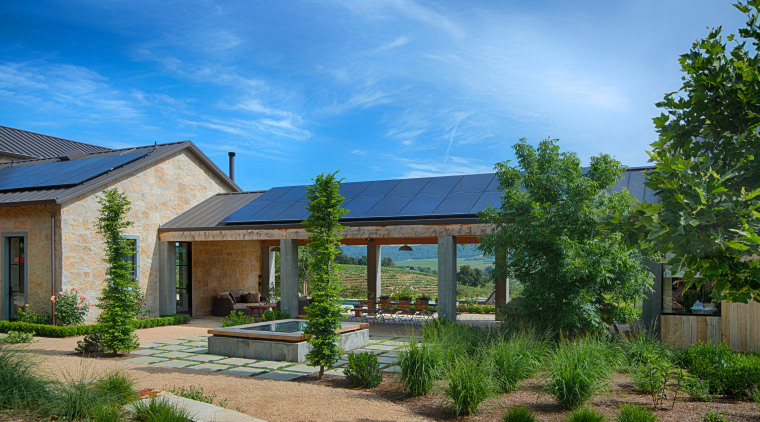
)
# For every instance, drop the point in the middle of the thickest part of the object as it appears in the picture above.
(16, 274)
(134, 258)
(183, 260)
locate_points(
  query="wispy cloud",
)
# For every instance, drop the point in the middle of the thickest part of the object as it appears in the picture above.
(390, 45)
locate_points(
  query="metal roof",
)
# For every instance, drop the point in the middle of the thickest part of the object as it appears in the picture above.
(211, 211)
(431, 200)
(24, 144)
(150, 154)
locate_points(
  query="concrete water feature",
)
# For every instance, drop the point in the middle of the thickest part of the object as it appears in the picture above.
(281, 340)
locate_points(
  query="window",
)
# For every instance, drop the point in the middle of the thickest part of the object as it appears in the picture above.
(678, 299)
(134, 243)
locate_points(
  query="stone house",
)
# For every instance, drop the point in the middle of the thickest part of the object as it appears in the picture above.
(49, 208)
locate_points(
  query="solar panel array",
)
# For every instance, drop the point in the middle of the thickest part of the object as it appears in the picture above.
(448, 196)
(61, 173)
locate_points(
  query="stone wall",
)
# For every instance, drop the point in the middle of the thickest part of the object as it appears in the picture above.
(34, 221)
(220, 266)
(158, 193)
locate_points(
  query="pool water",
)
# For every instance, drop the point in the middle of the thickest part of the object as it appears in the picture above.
(281, 327)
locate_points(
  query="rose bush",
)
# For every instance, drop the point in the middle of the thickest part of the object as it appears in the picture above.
(70, 307)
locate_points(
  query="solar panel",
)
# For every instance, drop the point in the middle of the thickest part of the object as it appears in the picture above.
(62, 173)
(387, 207)
(474, 183)
(421, 205)
(378, 189)
(440, 185)
(492, 199)
(456, 203)
(297, 211)
(494, 185)
(636, 184)
(353, 189)
(409, 187)
(623, 182)
(273, 195)
(298, 193)
(246, 212)
(270, 212)
(358, 207)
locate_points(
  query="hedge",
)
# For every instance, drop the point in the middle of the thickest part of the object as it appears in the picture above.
(45, 330)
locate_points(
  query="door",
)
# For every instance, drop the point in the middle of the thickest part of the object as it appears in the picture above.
(183, 261)
(16, 275)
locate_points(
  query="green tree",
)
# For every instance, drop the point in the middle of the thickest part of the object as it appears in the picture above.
(120, 297)
(387, 262)
(707, 176)
(471, 276)
(573, 268)
(324, 236)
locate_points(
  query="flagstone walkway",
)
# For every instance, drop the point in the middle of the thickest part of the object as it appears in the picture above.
(192, 353)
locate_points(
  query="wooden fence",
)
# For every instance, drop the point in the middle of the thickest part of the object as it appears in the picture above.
(738, 326)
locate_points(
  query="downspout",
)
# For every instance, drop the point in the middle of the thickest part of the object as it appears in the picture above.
(52, 260)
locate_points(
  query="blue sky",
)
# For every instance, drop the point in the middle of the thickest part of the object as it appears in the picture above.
(376, 89)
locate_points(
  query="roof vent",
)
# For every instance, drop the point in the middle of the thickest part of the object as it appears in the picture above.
(71, 155)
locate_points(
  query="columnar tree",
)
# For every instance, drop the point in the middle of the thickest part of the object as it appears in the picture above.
(324, 312)
(119, 299)
(707, 175)
(574, 269)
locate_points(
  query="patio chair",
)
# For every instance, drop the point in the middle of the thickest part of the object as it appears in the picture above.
(369, 311)
(424, 312)
(387, 311)
(404, 309)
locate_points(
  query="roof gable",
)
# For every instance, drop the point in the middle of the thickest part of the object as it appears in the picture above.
(24, 144)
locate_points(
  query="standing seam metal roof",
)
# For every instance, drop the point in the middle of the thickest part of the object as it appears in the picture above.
(25, 144)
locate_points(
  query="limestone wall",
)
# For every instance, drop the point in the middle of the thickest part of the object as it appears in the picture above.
(223, 266)
(34, 221)
(158, 193)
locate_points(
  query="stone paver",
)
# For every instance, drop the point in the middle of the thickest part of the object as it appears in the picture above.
(178, 341)
(197, 344)
(196, 338)
(197, 350)
(394, 369)
(396, 343)
(145, 352)
(383, 359)
(236, 361)
(175, 363)
(210, 367)
(174, 355)
(146, 360)
(172, 348)
(338, 372)
(390, 354)
(268, 364)
(151, 345)
(204, 358)
(246, 372)
(306, 369)
(280, 376)
(204, 412)
(379, 347)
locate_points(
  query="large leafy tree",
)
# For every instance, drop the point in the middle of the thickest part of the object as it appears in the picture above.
(574, 269)
(707, 175)
(324, 236)
(120, 297)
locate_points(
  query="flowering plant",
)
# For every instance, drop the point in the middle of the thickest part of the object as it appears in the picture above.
(70, 307)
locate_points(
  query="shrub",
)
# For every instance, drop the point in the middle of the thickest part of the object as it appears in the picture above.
(515, 360)
(90, 344)
(741, 377)
(118, 387)
(698, 389)
(196, 393)
(585, 415)
(657, 378)
(20, 384)
(44, 330)
(708, 362)
(469, 385)
(363, 370)
(645, 347)
(274, 315)
(518, 414)
(715, 417)
(418, 366)
(577, 370)
(19, 337)
(159, 410)
(26, 314)
(70, 307)
(635, 413)
(237, 318)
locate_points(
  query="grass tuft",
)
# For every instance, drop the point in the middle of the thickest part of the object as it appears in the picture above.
(469, 385)
(577, 369)
(418, 365)
(159, 410)
(585, 415)
(518, 414)
(20, 384)
(635, 413)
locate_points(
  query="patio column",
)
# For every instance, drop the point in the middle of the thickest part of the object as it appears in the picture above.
(447, 277)
(289, 276)
(267, 271)
(501, 282)
(167, 278)
(373, 272)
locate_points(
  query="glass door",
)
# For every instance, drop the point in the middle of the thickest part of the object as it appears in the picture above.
(16, 275)
(183, 270)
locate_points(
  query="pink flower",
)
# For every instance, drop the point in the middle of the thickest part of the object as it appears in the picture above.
(89, 303)
(52, 298)
(82, 297)
(79, 305)
(74, 289)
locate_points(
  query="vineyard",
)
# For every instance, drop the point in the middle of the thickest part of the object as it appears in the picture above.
(354, 280)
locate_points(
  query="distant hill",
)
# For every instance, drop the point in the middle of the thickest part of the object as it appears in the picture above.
(419, 252)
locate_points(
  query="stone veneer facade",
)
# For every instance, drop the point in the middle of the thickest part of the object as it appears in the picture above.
(33, 222)
(158, 193)
(221, 266)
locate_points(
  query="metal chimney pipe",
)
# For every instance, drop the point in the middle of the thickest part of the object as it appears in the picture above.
(232, 165)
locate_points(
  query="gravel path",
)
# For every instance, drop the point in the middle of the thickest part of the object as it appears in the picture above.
(264, 399)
